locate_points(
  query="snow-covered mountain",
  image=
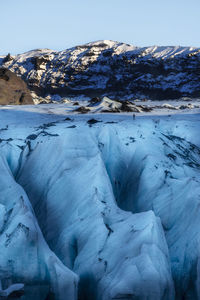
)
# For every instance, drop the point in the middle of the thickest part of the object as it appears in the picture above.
(99, 209)
(108, 68)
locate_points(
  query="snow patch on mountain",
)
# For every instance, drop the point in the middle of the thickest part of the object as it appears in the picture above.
(108, 68)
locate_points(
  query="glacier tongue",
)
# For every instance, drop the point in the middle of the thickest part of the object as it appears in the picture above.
(102, 195)
(115, 253)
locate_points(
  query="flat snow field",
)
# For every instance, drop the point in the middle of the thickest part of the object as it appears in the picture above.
(56, 110)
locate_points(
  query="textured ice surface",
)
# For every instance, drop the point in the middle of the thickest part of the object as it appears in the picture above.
(24, 255)
(117, 203)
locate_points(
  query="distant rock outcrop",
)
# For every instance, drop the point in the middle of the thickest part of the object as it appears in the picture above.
(112, 69)
(13, 90)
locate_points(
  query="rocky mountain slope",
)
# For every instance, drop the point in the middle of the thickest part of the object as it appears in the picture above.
(13, 90)
(107, 68)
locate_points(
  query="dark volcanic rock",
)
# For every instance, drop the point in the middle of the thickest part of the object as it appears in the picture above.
(95, 100)
(7, 58)
(13, 89)
(82, 110)
(125, 107)
(93, 121)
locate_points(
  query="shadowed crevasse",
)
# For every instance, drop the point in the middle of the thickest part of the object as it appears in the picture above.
(75, 206)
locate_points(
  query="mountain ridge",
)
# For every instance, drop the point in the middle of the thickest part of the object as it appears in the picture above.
(110, 68)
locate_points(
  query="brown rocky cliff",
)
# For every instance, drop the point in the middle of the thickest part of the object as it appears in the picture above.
(13, 89)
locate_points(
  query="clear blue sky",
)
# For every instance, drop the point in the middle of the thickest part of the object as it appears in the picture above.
(60, 24)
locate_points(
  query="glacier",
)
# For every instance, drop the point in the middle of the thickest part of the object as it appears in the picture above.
(99, 211)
